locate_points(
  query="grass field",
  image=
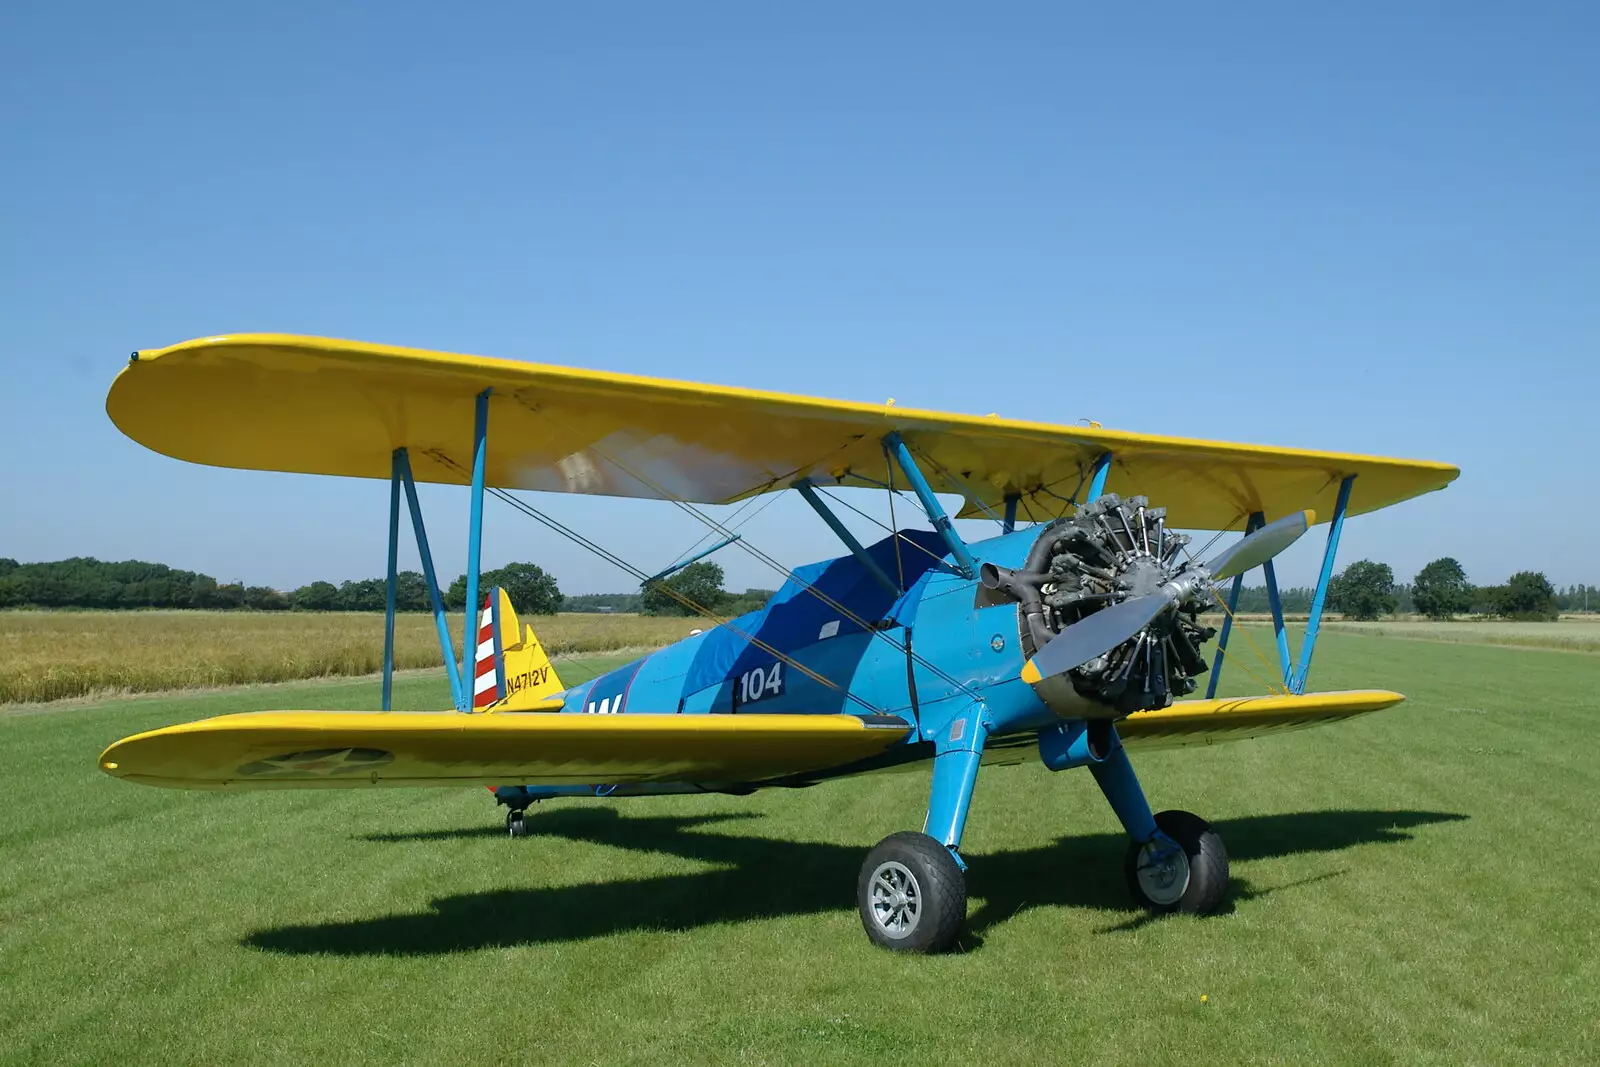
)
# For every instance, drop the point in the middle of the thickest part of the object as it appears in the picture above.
(53, 655)
(1418, 886)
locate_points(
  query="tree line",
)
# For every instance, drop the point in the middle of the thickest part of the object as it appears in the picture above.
(85, 582)
(1364, 590)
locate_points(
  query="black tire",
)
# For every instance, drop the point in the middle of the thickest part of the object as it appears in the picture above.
(911, 894)
(516, 823)
(1206, 875)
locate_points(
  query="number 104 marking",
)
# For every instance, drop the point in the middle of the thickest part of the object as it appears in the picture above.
(758, 684)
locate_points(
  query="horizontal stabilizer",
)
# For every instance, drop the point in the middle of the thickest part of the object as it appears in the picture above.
(336, 749)
(1209, 722)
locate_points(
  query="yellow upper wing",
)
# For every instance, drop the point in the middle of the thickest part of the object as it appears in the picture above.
(300, 749)
(1207, 722)
(319, 406)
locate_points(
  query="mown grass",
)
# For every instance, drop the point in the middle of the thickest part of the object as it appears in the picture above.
(1416, 886)
(54, 655)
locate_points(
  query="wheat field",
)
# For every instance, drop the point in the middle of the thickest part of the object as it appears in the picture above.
(1568, 635)
(60, 655)
(57, 655)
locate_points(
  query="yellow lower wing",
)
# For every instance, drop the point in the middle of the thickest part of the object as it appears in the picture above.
(1207, 722)
(311, 749)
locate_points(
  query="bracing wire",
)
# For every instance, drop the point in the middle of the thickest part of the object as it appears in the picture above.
(1206, 548)
(1066, 501)
(880, 524)
(1269, 686)
(836, 605)
(894, 527)
(841, 608)
(789, 575)
(714, 527)
(642, 577)
(675, 594)
(967, 491)
(734, 522)
(1222, 603)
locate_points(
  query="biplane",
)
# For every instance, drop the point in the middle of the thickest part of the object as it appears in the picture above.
(1076, 632)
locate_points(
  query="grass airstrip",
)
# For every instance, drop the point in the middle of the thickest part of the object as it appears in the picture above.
(1418, 886)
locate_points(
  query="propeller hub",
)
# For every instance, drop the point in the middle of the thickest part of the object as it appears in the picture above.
(1143, 575)
(1193, 583)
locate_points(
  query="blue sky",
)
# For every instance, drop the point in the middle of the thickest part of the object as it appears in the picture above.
(1366, 227)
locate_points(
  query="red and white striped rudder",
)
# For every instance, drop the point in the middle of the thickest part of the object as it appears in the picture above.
(488, 685)
(510, 671)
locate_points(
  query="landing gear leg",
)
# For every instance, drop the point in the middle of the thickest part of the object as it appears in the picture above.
(912, 892)
(1175, 861)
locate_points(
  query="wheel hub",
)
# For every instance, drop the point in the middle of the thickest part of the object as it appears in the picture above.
(1163, 871)
(895, 898)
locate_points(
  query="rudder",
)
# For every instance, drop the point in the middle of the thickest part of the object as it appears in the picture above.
(511, 671)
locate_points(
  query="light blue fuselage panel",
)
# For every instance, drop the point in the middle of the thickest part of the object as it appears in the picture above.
(834, 640)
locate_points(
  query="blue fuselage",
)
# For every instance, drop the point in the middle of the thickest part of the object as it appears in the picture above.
(836, 640)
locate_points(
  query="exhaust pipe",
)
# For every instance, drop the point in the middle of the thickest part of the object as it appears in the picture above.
(1022, 586)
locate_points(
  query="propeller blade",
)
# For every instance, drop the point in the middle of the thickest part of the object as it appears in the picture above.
(1255, 549)
(1088, 638)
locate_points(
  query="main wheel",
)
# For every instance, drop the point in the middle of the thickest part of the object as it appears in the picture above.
(911, 894)
(1191, 878)
(516, 825)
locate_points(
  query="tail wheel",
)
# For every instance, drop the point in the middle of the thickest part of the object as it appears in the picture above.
(1184, 870)
(516, 825)
(911, 894)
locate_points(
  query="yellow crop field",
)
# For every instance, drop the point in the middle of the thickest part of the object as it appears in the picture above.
(1572, 633)
(54, 655)
(1569, 634)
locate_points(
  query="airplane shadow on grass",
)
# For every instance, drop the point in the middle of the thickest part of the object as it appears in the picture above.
(760, 878)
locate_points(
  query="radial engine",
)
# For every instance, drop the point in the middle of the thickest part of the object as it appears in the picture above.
(1111, 551)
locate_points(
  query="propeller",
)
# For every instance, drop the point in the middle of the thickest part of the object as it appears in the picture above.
(1253, 550)
(1090, 637)
(1109, 627)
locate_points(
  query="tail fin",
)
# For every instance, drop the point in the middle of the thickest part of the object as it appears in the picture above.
(511, 671)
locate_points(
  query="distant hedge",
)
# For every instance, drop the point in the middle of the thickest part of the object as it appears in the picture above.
(84, 582)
